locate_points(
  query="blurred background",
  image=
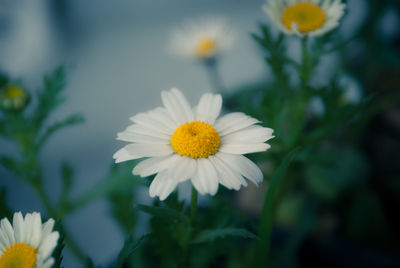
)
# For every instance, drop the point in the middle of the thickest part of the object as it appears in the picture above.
(117, 62)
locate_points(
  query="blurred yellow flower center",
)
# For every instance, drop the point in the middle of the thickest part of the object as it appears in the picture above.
(205, 47)
(308, 16)
(195, 139)
(18, 255)
(13, 92)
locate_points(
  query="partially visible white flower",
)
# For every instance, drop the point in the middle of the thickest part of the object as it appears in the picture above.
(352, 90)
(183, 143)
(27, 243)
(203, 38)
(305, 17)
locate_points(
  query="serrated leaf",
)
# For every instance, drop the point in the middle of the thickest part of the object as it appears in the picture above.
(213, 234)
(164, 213)
(129, 247)
(57, 255)
(48, 97)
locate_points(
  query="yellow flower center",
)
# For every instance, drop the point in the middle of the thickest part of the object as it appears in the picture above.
(307, 16)
(195, 139)
(206, 47)
(13, 92)
(18, 255)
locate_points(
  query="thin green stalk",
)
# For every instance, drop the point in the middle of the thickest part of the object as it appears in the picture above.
(214, 75)
(193, 207)
(262, 247)
(52, 213)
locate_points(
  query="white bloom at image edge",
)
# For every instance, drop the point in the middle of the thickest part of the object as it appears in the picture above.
(305, 17)
(27, 242)
(202, 38)
(184, 143)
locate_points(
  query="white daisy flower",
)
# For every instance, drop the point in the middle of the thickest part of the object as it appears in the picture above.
(305, 17)
(202, 39)
(184, 143)
(27, 243)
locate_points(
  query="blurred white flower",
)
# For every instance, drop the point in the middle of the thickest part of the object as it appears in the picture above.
(184, 143)
(305, 18)
(202, 39)
(27, 243)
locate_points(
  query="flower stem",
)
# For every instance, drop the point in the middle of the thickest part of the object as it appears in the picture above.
(214, 76)
(193, 207)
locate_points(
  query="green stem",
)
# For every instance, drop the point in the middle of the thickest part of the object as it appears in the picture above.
(193, 207)
(38, 186)
(305, 67)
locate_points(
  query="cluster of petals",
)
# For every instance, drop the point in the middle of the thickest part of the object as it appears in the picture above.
(150, 137)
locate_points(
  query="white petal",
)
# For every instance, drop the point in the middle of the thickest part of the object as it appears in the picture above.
(182, 169)
(138, 150)
(18, 225)
(227, 176)
(206, 178)
(242, 165)
(162, 185)
(47, 228)
(209, 108)
(47, 246)
(152, 165)
(252, 134)
(145, 120)
(177, 106)
(7, 231)
(244, 148)
(139, 129)
(28, 228)
(36, 229)
(140, 138)
(233, 122)
(49, 263)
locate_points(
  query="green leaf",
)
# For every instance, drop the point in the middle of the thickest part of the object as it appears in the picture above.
(48, 97)
(57, 254)
(213, 234)
(164, 213)
(129, 247)
(264, 233)
(69, 121)
(67, 173)
(89, 264)
(10, 164)
(5, 212)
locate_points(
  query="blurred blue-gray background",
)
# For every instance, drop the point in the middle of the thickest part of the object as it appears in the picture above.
(117, 61)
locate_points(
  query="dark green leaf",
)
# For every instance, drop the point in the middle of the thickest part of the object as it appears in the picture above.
(57, 255)
(164, 213)
(89, 264)
(210, 235)
(5, 212)
(10, 164)
(130, 246)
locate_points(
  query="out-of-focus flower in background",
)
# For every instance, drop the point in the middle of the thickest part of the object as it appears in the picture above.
(27, 243)
(305, 18)
(202, 39)
(13, 98)
(184, 143)
(352, 90)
